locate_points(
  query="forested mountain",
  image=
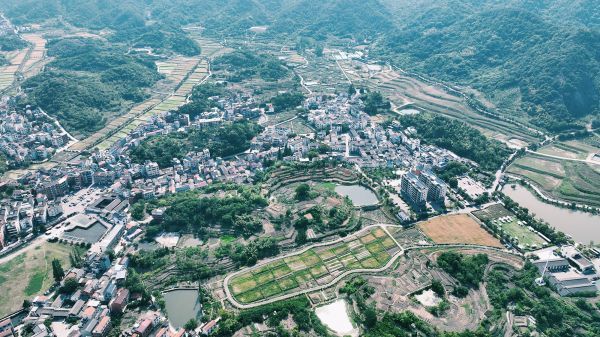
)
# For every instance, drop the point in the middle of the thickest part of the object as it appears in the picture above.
(537, 59)
(87, 79)
(519, 59)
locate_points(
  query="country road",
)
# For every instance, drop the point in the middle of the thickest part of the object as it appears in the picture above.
(588, 160)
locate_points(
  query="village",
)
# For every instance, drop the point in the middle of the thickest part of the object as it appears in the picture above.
(85, 202)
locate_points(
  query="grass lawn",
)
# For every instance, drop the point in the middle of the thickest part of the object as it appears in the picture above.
(29, 274)
(523, 234)
(227, 238)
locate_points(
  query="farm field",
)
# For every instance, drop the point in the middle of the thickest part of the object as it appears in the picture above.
(458, 228)
(7, 72)
(28, 274)
(566, 180)
(410, 92)
(507, 222)
(181, 75)
(320, 74)
(26, 61)
(36, 57)
(573, 149)
(368, 249)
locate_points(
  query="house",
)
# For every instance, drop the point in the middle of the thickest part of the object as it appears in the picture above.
(6, 328)
(552, 264)
(144, 329)
(120, 301)
(570, 283)
(102, 328)
(207, 328)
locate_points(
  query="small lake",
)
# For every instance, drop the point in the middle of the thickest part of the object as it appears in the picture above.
(582, 226)
(335, 317)
(91, 234)
(182, 305)
(359, 195)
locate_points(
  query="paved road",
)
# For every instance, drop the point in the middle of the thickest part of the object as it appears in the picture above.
(587, 160)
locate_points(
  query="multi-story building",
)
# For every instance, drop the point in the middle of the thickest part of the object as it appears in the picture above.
(436, 186)
(413, 189)
(55, 188)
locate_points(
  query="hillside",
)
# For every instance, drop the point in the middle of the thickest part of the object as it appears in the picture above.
(519, 60)
(536, 60)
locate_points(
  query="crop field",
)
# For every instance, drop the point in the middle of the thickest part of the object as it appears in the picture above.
(36, 56)
(519, 232)
(28, 274)
(7, 72)
(28, 61)
(570, 181)
(181, 75)
(317, 266)
(322, 75)
(458, 228)
(410, 92)
(573, 149)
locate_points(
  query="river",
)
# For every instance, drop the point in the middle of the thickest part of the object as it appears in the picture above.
(582, 226)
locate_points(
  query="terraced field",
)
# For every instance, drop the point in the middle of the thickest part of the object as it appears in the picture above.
(566, 180)
(181, 75)
(369, 249)
(406, 91)
(27, 61)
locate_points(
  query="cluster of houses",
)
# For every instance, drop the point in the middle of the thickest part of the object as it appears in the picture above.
(22, 212)
(89, 311)
(29, 135)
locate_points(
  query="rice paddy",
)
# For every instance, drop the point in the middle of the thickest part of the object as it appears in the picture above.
(368, 249)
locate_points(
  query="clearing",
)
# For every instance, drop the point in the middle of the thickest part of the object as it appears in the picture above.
(458, 228)
(29, 274)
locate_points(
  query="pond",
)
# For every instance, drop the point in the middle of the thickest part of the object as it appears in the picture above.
(91, 234)
(582, 226)
(335, 317)
(182, 305)
(359, 195)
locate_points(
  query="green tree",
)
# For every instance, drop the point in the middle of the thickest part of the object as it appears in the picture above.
(302, 192)
(57, 270)
(69, 286)
(190, 325)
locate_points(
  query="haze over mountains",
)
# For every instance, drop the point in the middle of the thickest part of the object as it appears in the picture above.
(538, 60)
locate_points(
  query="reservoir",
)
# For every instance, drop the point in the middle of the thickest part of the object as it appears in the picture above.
(359, 195)
(583, 227)
(182, 305)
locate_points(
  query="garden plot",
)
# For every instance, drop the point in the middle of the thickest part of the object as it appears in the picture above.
(369, 249)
